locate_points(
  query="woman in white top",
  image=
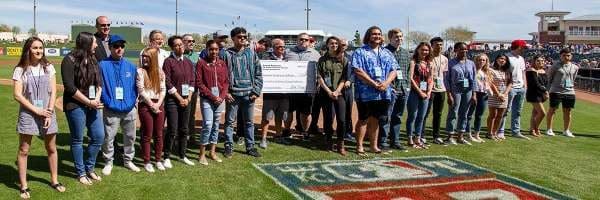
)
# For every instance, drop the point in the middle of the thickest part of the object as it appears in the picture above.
(35, 90)
(152, 90)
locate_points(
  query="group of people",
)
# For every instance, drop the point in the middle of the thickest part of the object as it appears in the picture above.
(104, 93)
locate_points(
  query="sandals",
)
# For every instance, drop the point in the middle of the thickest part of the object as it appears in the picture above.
(94, 176)
(25, 193)
(362, 153)
(58, 187)
(85, 180)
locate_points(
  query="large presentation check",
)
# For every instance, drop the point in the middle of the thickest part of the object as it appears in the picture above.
(288, 76)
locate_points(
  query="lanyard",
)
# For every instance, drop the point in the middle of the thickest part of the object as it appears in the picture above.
(36, 82)
(438, 61)
(117, 72)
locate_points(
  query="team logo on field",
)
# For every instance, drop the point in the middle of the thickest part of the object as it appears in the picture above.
(416, 178)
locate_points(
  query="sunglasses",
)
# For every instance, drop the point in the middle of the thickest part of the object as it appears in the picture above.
(303, 39)
(279, 47)
(104, 25)
(117, 46)
(242, 36)
(192, 41)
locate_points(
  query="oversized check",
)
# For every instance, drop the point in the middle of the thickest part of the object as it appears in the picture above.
(288, 76)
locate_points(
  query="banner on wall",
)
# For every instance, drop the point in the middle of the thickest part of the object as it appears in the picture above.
(13, 51)
(64, 51)
(52, 51)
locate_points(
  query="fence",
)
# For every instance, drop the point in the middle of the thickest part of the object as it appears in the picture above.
(588, 84)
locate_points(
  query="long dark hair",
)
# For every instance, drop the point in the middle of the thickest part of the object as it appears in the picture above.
(367, 36)
(25, 60)
(504, 68)
(338, 55)
(86, 65)
(416, 56)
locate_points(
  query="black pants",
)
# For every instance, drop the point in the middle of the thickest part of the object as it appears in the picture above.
(437, 102)
(177, 127)
(318, 104)
(329, 107)
(192, 119)
(349, 98)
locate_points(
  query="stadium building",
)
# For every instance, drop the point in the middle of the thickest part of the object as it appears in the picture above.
(554, 28)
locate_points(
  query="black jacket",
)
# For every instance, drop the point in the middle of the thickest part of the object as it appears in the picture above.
(100, 51)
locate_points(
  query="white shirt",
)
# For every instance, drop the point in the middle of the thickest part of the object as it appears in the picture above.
(37, 70)
(147, 94)
(517, 67)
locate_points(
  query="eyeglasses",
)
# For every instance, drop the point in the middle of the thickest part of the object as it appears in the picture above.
(192, 41)
(242, 36)
(117, 46)
(104, 25)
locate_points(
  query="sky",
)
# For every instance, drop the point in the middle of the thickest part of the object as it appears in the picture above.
(491, 19)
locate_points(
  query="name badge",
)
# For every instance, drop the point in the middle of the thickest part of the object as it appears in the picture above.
(399, 74)
(92, 92)
(328, 81)
(423, 86)
(119, 93)
(438, 83)
(465, 83)
(214, 91)
(38, 103)
(569, 84)
(185, 90)
(378, 72)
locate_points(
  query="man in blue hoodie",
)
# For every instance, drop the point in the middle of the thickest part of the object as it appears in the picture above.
(119, 97)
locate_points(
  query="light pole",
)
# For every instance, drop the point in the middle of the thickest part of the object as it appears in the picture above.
(34, 18)
(176, 15)
(307, 14)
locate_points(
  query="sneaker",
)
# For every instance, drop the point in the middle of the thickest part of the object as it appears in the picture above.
(451, 141)
(240, 141)
(263, 144)
(283, 140)
(549, 132)
(305, 136)
(167, 163)
(501, 136)
(568, 133)
(107, 169)
(187, 161)
(149, 167)
(228, 151)
(129, 165)
(438, 141)
(253, 152)
(463, 141)
(399, 148)
(521, 136)
(474, 139)
(160, 166)
(350, 138)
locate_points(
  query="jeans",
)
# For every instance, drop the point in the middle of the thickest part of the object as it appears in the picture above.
(211, 115)
(515, 105)
(458, 111)
(329, 107)
(241, 105)
(393, 122)
(177, 127)
(78, 119)
(416, 108)
(437, 102)
(478, 109)
(152, 125)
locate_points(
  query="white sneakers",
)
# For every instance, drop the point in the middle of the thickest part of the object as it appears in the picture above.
(160, 166)
(129, 165)
(107, 169)
(549, 132)
(568, 133)
(187, 161)
(149, 167)
(167, 163)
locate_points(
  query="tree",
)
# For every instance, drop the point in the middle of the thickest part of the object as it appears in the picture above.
(32, 32)
(5, 28)
(458, 34)
(15, 30)
(417, 37)
(357, 40)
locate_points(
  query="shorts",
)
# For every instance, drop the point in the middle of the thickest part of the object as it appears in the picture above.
(275, 107)
(301, 103)
(567, 100)
(376, 109)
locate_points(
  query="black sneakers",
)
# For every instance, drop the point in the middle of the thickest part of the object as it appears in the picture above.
(228, 151)
(253, 152)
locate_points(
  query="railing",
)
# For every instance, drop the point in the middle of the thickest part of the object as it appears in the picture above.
(588, 84)
(585, 33)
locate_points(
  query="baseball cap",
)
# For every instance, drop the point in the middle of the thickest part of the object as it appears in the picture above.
(116, 38)
(519, 43)
(219, 34)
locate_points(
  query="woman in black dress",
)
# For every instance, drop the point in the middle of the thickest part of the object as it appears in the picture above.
(537, 93)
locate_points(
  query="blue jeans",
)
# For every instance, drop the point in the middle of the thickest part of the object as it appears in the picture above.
(416, 108)
(478, 109)
(515, 105)
(394, 120)
(211, 115)
(78, 119)
(458, 111)
(244, 107)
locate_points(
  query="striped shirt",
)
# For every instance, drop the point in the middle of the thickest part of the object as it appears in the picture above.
(245, 72)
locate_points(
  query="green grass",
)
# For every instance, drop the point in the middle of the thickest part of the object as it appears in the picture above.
(567, 165)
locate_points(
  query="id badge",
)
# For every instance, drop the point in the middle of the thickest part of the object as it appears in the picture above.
(185, 90)
(378, 72)
(119, 93)
(38, 103)
(568, 84)
(465, 83)
(214, 91)
(328, 81)
(423, 86)
(92, 92)
(438, 83)
(399, 75)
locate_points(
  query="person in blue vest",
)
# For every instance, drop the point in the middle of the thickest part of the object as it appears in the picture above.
(119, 97)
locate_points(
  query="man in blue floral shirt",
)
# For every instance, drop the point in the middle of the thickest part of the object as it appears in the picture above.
(375, 70)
